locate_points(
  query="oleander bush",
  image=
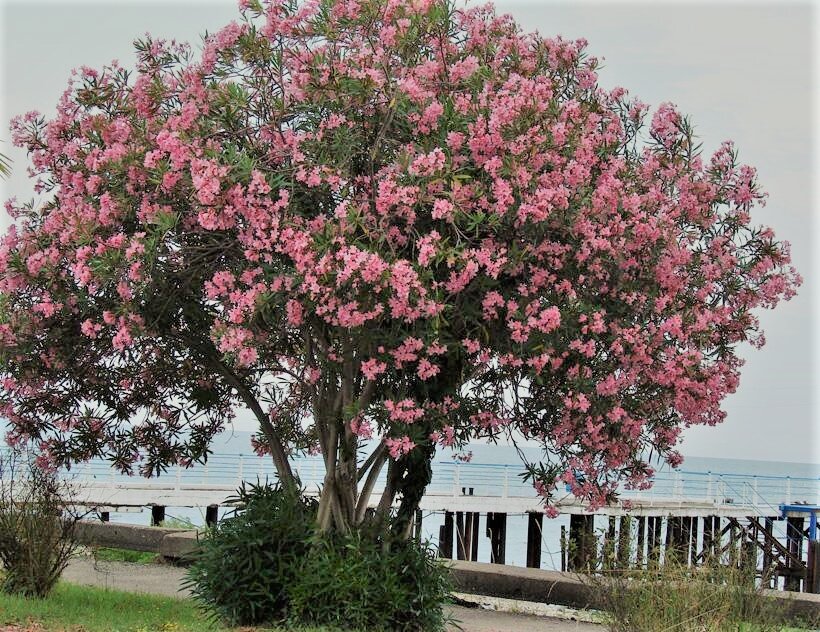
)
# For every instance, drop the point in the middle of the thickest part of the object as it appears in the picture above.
(247, 561)
(374, 585)
(267, 564)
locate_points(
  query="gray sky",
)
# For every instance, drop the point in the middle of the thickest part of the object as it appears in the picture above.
(746, 72)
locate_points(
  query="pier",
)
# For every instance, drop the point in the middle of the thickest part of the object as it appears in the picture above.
(693, 516)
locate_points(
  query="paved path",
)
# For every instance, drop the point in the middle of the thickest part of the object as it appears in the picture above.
(165, 580)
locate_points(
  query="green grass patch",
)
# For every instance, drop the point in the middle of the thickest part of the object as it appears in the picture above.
(74, 608)
(125, 555)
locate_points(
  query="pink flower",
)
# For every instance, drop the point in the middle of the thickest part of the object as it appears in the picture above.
(372, 368)
(122, 339)
(361, 428)
(442, 209)
(463, 69)
(404, 411)
(90, 328)
(428, 164)
(247, 356)
(294, 311)
(427, 369)
(665, 124)
(398, 447)
(427, 248)
(206, 176)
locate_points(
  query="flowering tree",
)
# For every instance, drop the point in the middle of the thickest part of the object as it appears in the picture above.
(376, 218)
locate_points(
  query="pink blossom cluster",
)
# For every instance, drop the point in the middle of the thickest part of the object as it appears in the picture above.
(399, 447)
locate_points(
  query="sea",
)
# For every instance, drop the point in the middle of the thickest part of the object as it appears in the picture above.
(495, 470)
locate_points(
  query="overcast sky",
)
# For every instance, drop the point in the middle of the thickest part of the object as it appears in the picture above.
(746, 72)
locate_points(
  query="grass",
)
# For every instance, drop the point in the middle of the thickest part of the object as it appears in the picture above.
(72, 608)
(677, 598)
(104, 554)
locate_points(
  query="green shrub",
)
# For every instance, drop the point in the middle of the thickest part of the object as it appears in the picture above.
(36, 528)
(265, 564)
(247, 561)
(358, 583)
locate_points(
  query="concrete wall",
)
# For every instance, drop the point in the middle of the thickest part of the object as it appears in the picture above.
(171, 543)
(525, 584)
(570, 589)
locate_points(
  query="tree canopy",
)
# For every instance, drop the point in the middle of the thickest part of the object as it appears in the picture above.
(376, 218)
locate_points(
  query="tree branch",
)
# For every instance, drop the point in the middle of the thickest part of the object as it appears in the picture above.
(367, 488)
(278, 453)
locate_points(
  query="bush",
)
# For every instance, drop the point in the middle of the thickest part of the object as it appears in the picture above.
(36, 526)
(266, 564)
(359, 583)
(247, 561)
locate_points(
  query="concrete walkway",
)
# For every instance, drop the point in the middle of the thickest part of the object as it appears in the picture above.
(165, 580)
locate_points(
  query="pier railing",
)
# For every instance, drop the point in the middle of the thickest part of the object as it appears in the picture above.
(482, 479)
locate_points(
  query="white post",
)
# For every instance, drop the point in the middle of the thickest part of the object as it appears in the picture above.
(179, 475)
(456, 479)
(241, 469)
(709, 495)
(506, 480)
(788, 490)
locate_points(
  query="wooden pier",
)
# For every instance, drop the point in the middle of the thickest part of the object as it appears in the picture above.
(632, 536)
(632, 542)
(689, 515)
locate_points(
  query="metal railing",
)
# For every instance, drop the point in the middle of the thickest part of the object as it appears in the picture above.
(484, 479)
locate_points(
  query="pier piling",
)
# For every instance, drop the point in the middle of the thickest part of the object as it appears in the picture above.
(794, 544)
(813, 575)
(497, 532)
(686, 539)
(581, 541)
(472, 530)
(624, 541)
(639, 547)
(445, 537)
(461, 549)
(535, 521)
(653, 552)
